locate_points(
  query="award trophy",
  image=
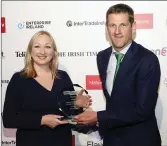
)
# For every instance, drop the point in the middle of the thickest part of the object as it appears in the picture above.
(67, 104)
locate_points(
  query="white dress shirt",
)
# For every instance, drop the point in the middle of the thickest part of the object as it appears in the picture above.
(111, 68)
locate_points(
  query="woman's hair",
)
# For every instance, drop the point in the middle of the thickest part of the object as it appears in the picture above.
(29, 69)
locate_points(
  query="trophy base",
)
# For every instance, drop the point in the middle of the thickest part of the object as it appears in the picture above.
(69, 119)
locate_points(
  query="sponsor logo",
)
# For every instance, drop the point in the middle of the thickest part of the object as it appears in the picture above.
(77, 54)
(165, 82)
(2, 55)
(20, 53)
(21, 25)
(63, 54)
(93, 82)
(144, 21)
(71, 23)
(160, 52)
(33, 24)
(91, 143)
(3, 25)
(9, 143)
(4, 82)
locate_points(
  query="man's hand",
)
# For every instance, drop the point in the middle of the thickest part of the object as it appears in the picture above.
(83, 101)
(87, 117)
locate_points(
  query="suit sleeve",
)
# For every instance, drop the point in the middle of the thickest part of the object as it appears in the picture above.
(148, 78)
(13, 115)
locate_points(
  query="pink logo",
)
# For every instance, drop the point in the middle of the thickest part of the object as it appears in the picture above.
(144, 21)
(93, 82)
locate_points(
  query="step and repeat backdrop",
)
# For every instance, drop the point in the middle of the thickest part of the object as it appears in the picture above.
(78, 28)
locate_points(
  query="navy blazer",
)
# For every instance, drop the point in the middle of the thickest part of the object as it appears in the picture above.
(129, 118)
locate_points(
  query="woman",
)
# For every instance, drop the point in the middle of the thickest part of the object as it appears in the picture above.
(31, 98)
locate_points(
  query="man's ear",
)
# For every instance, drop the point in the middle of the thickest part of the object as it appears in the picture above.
(134, 30)
(134, 27)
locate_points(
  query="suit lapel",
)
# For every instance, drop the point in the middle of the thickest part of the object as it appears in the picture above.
(104, 65)
(105, 62)
(128, 62)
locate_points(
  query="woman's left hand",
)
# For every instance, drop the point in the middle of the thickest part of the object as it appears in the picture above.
(83, 101)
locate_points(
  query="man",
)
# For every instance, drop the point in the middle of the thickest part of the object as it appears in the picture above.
(130, 76)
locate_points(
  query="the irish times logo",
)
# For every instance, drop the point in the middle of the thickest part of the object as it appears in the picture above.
(33, 24)
(70, 23)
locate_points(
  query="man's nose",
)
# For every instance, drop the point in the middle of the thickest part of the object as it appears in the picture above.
(117, 30)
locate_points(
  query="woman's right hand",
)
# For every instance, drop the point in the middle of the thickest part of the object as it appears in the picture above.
(52, 121)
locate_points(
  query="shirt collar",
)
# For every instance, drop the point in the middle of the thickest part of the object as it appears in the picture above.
(123, 51)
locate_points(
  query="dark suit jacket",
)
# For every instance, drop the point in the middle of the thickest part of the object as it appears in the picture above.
(129, 118)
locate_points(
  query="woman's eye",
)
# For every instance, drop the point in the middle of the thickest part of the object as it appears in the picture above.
(36, 46)
(48, 46)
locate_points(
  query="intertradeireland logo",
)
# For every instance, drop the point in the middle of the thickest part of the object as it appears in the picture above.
(8, 143)
(69, 23)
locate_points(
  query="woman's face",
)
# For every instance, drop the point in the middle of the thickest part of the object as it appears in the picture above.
(42, 50)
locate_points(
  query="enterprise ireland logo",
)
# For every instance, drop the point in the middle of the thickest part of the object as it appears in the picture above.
(33, 24)
(21, 25)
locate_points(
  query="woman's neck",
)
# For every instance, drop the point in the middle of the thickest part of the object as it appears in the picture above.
(42, 70)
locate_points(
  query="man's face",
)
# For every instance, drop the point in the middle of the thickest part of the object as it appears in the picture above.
(120, 30)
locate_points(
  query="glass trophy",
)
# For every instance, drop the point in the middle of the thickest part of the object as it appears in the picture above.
(67, 106)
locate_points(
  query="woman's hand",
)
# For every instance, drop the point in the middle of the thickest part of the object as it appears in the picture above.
(52, 121)
(83, 101)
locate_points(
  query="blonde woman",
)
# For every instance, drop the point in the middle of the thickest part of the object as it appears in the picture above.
(31, 97)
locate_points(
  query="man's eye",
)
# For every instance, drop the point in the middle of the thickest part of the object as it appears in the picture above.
(123, 24)
(111, 25)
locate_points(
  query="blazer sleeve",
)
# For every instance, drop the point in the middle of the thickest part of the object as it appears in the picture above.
(13, 115)
(148, 78)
